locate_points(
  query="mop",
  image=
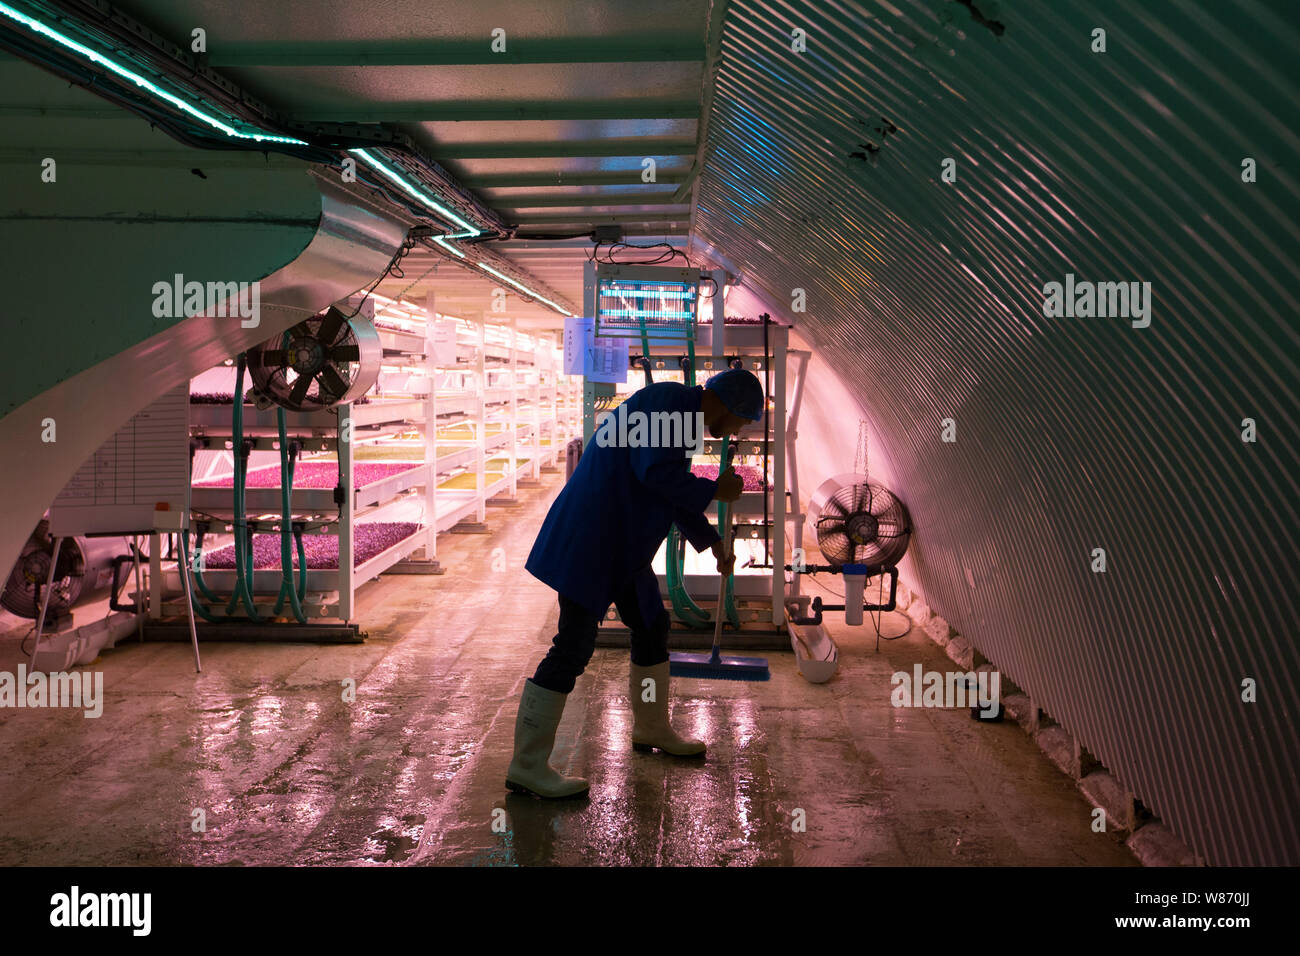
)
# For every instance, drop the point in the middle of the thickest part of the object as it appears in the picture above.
(715, 665)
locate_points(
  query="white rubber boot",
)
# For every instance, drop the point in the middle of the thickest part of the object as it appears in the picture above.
(539, 715)
(650, 727)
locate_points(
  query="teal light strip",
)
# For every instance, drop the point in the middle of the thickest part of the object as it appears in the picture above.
(518, 285)
(37, 27)
(418, 194)
(646, 293)
(647, 313)
(452, 249)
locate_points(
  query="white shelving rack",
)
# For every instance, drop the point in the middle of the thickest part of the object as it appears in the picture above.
(717, 344)
(466, 416)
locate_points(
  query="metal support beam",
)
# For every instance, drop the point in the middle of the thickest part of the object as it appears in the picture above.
(631, 177)
(457, 53)
(566, 149)
(713, 60)
(636, 231)
(585, 218)
(539, 201)
(452, 111)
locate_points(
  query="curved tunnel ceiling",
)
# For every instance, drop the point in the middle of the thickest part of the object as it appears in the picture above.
(824, 175)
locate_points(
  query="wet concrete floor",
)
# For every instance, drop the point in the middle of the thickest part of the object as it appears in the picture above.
(412, 772)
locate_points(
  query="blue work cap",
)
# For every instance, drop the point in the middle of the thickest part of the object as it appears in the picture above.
(740, 391)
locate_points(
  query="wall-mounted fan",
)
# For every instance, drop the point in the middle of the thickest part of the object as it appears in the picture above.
(321, 362)
(83, 573)
(857, 522)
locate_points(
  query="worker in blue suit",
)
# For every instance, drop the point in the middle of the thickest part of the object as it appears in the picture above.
(631, 485)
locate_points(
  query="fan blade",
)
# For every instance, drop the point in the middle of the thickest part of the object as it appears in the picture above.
(835, 547)
(345, 353)
(838, 507)
(301, 331)
(267, 358)
(332, 385)
(299, 390)
(329, 329)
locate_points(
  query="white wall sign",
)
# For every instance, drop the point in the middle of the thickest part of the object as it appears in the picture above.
(442, 342)
(599, 359)
(145, 463)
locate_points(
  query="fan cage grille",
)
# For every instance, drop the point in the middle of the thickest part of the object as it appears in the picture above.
(26, 584)
(836, 527)
(272, 372)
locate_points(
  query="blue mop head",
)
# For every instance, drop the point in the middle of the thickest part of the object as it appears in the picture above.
(717, 667)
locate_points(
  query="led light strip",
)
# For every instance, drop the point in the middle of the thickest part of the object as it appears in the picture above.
(428, 200)
(418, 194)
(452, 249)
(37, 27)
(647, 313)
(647, 293)
(530, 292)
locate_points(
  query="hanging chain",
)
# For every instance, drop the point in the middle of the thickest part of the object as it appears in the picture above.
(417, 281)
(861, 459)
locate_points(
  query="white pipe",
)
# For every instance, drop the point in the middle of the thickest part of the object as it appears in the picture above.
(780, 340)
(792, 433)
(719, 278)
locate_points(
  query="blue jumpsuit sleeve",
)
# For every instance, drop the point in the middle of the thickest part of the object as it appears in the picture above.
(669, 476)
(695, 526)
(665, 471)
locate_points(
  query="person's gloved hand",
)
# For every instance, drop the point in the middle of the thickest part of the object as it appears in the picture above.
(730, 485)
(726, 562)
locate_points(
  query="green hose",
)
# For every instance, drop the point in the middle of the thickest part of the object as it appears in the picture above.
(684, 606)
(199, 608)
(243, 544)
(206, 591)
(687, 611)
(645, 353)
(295, 595)
(243, 541)
(724, 526)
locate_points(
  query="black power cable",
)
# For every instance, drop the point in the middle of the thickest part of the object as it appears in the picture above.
(669, 253)
(392, 269)
(767, 434)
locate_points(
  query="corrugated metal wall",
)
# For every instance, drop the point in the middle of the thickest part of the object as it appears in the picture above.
(1072, 433)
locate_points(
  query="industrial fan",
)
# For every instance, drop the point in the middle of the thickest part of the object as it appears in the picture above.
(857, 522)
(321, 362)
(83, 573)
